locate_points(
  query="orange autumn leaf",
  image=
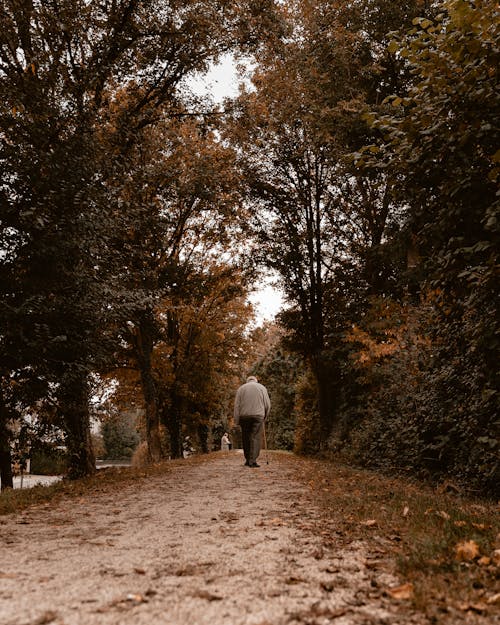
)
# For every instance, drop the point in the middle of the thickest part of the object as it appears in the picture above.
(466, 550)
(405, 591)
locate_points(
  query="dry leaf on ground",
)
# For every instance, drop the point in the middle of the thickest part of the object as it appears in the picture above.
(405, 591)
(369, 523)
(466, 550)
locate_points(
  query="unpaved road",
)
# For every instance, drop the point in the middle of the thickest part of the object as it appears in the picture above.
(207, 543)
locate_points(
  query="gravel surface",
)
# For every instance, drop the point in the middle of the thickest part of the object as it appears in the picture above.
(211, 542)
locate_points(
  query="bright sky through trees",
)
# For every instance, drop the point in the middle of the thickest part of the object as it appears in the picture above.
(220, 82)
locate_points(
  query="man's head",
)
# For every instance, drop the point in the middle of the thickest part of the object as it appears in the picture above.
(251, 378)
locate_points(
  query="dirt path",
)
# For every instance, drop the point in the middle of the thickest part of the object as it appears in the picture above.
(209, 543)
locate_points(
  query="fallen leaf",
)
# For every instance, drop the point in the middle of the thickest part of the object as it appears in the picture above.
(466, 550)
(8, 575)
(406, 511)
(481, 526)
(136, 599)
(205, 594)
(444, 515)
(484, 561)
(493, 599)
(369, 523)
(495, 556)
(139, 571)
(459, 523)
(405, 591)
(473, 607)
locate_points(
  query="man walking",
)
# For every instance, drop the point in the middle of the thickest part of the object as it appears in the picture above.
(251, 407)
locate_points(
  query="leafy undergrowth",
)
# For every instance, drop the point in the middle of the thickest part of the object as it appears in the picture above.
(444, 546)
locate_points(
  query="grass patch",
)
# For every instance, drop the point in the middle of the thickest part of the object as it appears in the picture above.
(445, 544)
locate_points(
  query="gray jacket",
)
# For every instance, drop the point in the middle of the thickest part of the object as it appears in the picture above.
(252, 400)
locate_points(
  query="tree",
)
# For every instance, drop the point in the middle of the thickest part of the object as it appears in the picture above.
(202, 351)
(182, 209)
(317, 221)
(441, 140)
(60, 66)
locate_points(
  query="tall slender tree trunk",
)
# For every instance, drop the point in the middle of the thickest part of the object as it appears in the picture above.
(5, 453)
(6, 466)
(74, 398)
(174, 425)
(326, 399)
(203, 437)
(174, 430)
(144, 351)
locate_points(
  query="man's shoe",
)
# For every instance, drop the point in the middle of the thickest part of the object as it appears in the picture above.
(254, 464)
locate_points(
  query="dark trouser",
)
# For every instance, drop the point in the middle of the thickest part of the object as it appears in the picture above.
(251, 432)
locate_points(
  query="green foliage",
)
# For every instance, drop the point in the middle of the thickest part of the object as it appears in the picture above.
(120, 436)
(417, 412)
(279, 370)
(48, 460)
(308, 425)
(440, 137)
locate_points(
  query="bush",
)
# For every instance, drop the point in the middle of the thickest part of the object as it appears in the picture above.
(120, 436)
(49, 461)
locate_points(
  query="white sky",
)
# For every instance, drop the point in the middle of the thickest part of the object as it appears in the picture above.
(221, 81)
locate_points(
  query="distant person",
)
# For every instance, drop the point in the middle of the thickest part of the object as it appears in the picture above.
(187, 447)
(225, 443)
(251, 408)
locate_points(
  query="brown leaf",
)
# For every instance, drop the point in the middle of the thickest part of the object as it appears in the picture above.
(139, 571)
(369, 523)
(205, 594)
(466, 550)
(473, 607)
(405, 591)
(484, 561)
(459, 523)
(318, 554)
(494, 599)
(136, 598)
(444, 515)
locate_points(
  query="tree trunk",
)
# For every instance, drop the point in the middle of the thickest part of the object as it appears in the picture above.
(144, 350)
(326, 400)
(5, 459)
(173, 423)
(203, 437)
(5, 453)
(74, 397)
